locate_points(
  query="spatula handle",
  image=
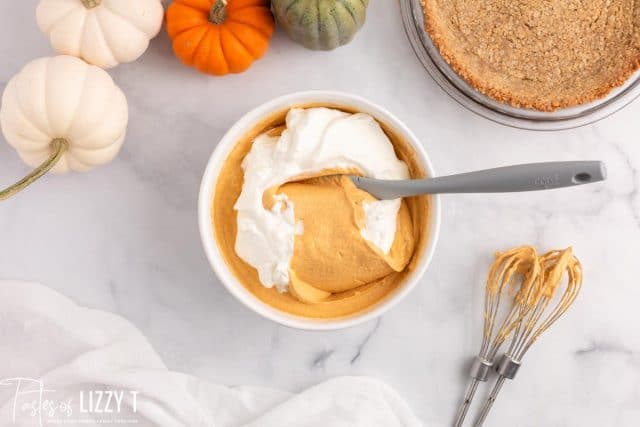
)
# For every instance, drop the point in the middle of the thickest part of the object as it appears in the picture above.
(527, 177)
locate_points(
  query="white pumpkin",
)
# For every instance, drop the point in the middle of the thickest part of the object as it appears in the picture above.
(63, 114)
(102, 32)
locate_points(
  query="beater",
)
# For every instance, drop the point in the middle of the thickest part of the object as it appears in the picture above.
(540, 315)
(513, 277)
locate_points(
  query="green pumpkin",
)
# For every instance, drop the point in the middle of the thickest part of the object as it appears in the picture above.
(320, 24)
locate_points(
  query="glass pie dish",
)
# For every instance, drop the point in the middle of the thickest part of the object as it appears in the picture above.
(483, 105)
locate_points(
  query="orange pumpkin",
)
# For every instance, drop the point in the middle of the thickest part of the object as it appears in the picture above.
(220, 36)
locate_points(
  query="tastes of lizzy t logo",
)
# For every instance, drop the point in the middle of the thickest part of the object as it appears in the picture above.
(32, 399)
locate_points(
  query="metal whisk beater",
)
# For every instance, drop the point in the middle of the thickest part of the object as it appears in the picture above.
(510, 281)
(541, 314)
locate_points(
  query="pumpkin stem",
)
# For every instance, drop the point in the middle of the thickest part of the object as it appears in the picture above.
(90, 4)
(59, 146)
(218, 12)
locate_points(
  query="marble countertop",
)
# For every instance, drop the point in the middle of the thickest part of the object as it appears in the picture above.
(124, 237)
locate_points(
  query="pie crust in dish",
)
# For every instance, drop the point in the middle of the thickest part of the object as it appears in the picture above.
(538, 54)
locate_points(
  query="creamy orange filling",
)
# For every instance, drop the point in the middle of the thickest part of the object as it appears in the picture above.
(331, 256)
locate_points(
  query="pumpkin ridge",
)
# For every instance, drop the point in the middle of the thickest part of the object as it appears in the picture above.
(253, 41)
(27, 145)
(113, 12)
(293, 3)
(318, 26)
(20, 109)
(123, 19)
(103, 37)
(349, 11)
(178, 9)
(244, 46)
(250, 24)
(240, 47)
(97, 126)
(197, 45)
(22, 103)
(11, 95)
(25, 140)
(338, 26)
(240, 16)
(80, 98)
(175, 35)
(202, 52)
(60, 18)
(197, 48)
(78, 46)
(184, 43)
(70, 154)
(107, 109)
(243, 4)
(75, 150)
(218, 48)
(242, 10)
(189, 5)
(45, 90)
(334, 12)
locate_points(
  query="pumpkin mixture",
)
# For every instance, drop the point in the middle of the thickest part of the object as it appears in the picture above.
(341, 262)
(538, 54)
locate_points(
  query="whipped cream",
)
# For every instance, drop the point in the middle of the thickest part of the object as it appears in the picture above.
(315, 139)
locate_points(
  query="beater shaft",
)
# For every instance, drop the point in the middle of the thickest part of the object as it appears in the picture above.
(468, 397)
(490, 400)
(507, 368)
(479, 372)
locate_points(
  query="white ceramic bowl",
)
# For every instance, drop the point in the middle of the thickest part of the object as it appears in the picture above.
(207, 189)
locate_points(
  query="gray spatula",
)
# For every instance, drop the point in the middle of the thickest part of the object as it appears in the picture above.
(528, 177)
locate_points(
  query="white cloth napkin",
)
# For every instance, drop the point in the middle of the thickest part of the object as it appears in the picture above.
(61, 364)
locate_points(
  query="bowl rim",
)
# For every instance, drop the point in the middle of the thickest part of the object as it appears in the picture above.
(207, 191)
